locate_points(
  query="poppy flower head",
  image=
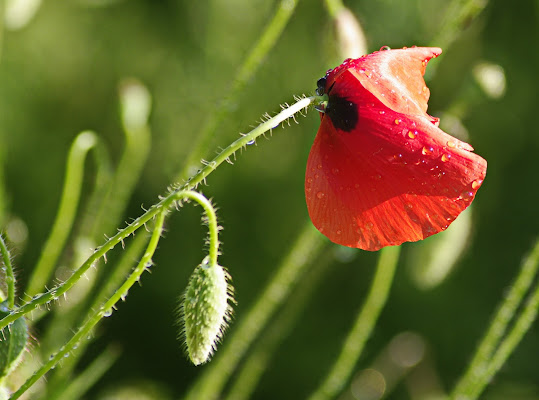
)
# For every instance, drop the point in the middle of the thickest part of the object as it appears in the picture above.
(380, 171)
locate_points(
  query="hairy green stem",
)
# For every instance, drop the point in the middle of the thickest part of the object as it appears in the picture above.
(105, 310)
(259, 51)
(113, 281)
(9, 275)
(125, 264)
(164, 204)
(211, 218)
(359, 334)
(480, 369)
(69, 202)
(303, 252)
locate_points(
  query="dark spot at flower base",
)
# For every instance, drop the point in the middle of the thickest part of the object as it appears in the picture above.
(321, 86)
(343, 113)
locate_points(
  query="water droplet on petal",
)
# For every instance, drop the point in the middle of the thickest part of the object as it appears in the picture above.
(427, 151)
(408, 206)
(477, 184)
(446, 157)
(320, 195)
(338, 232)
(385, 48)
(367, 73)
(335, 171)
(382, 112)
(451, 144)
(466, 195)
(412, 135)
(397, 121)
(369, 225)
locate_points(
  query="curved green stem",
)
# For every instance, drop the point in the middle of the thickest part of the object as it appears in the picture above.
(481, 368)
(107, 307)
(164, 204)
(83, 143)
(259, 51)
(122, 270)
(359, 334)
(9, 275)
(213, 228)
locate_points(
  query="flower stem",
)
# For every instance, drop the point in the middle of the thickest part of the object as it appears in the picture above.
(9, 275)
(359, 334)
(122, 270)
(211, 217)
(114, 279)
(164, 204)
(487, 359)
(107, 307)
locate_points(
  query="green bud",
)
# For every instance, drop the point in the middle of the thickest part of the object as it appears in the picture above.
(205, 310)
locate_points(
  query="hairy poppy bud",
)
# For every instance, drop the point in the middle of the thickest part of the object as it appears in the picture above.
(205, 310)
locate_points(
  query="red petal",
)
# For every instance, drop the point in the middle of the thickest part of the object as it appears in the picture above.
(395, 177)
(395, 77)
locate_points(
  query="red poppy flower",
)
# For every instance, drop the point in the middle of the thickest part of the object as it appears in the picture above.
(380, 171)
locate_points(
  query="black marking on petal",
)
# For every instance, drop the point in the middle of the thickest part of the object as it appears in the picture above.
(343, 113)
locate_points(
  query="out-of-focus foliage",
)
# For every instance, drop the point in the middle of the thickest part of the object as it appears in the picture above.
(59, 75)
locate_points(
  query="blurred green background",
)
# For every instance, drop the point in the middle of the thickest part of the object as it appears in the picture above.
(59, 75)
